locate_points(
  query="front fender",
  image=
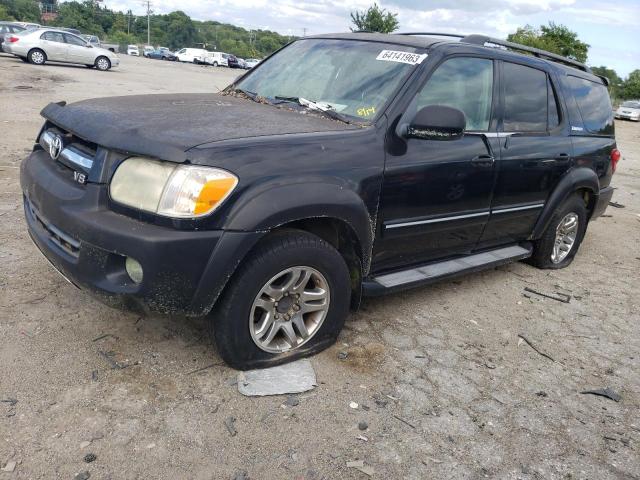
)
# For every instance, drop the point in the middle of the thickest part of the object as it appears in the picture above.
(273, 204)
(575, 179)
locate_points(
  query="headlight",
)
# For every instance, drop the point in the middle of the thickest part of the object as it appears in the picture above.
(164, 188)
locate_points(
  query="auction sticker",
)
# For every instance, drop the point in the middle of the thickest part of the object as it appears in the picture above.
(401, 57)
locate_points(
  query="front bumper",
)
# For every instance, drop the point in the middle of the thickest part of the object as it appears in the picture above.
(72, 225)
(603, 202)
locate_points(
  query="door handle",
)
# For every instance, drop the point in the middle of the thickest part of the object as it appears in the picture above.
(563, 157)
(483, 161)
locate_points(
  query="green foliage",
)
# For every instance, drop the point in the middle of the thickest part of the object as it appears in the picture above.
(552, 38)
(20, 10)
(631, 86)
(375, 19)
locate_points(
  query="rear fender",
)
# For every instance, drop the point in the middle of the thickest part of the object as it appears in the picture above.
(576, 179)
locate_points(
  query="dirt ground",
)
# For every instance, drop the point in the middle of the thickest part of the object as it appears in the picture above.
(443, 380)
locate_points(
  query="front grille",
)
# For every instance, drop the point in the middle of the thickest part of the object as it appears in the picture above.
(65, 242)
(68, 149)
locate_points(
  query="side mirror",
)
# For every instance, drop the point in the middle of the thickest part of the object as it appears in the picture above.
(436, 122)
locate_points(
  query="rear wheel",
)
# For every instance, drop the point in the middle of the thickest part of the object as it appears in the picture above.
(103, 64)
(215, 64)
(288, 300)
(37, 57)
(560, 242)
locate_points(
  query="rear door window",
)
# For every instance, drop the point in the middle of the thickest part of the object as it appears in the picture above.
(525, 99)
(73, 40)
(53, 37)
(593, 103)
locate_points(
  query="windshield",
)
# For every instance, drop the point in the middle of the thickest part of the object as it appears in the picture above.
(355, 78)
(631, 104)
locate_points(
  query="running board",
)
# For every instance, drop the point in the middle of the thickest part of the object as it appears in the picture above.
(426, 274)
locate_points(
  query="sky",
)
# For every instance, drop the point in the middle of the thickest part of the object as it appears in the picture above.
(612, 29)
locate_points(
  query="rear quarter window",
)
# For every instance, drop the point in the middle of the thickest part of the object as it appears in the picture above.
(594, 105)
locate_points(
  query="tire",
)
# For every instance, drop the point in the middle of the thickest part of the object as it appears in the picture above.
(233, 320)
(37, 57)
(543, 252)
(215, 64)
(103, 64)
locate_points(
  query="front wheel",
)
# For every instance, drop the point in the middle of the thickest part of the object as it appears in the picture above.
(103, 64)
(288, 300)
(215, 64)
(560, 242)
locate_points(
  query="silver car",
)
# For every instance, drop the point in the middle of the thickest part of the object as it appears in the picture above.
(629, 110)
(50, 45)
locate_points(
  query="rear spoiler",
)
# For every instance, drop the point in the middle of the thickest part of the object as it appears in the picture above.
(604, 79)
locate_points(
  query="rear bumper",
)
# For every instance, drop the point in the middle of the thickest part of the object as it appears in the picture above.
(603, 202)
(184, 271)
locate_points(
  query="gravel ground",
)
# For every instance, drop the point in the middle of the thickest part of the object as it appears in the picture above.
(443, 380)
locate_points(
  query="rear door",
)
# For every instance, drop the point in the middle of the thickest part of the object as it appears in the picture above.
(54, 46)
(78, 51)
(436, 194)
(535, 151)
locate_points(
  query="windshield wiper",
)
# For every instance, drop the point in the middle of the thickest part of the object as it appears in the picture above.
(321, 107)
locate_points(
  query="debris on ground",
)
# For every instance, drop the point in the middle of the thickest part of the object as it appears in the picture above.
(404, 421)
(616, 205)
(353, 405)
(528, 342)
(541, 394)
(85, 444)
(106, 335)
(295, 377)
(243, 475)
(113, 363)
(230, 423)
(343, 355)
(89, 457)
(604, 392)
(11, 401)
(559, 297)
(9, 467)
(292, 401)
(359, 465)
(362, 437)
(362, 425)
(82, 476)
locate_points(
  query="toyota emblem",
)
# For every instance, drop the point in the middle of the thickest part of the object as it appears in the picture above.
(55, 147)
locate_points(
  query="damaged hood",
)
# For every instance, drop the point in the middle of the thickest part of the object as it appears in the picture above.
(166, 126)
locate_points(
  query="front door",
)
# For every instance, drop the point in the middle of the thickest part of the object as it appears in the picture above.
(78, 51)
(535, 151)
(436, 194)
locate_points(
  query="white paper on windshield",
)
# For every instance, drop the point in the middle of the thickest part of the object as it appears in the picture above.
(401, 57)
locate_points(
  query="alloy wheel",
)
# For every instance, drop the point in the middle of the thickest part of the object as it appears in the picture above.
(566, 233)
(289, 309)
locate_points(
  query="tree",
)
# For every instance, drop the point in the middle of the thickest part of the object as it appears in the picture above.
(631, 86)
(4, 13)
(615, 82)
(552, 38)
(375, 19)
(21, 10)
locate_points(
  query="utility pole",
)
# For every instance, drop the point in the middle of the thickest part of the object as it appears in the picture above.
(148, 4)
(304, 32)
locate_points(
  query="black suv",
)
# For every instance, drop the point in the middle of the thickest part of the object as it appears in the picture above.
(343, 166)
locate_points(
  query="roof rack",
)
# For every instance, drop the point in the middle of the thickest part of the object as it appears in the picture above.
(437, 34)
(482, 40)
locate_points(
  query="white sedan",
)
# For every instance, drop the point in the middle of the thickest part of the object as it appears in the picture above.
(629, 110)
(49, 45)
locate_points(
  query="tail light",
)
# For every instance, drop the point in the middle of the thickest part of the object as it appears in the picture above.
(615, 158)
(13, 39)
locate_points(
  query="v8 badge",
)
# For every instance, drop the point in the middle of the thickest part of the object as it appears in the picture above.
(80, 177)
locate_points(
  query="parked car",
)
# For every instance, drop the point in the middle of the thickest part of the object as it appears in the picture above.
(242, 63)
(252, 62)
(232, 61)
(93, 40)
(28, 25)
(147, 50)
(189, 54)
(162, 54)
(629, 110)
(215, 59)
(275, 205)
(51, 45)
(7, 28)
(133, 50)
